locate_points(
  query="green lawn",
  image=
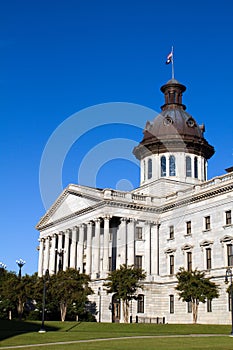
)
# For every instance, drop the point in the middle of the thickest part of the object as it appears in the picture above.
(14, 333)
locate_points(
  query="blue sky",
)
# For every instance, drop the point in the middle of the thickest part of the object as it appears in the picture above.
(59, 57)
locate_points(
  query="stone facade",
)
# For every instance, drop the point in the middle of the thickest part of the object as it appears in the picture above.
(175, 218)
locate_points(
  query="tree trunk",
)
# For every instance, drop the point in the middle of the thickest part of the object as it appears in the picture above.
(126, 311)
(63, 309)
(20, 307)
(195, 310)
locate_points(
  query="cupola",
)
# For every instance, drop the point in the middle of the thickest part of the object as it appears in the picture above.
(173, 144)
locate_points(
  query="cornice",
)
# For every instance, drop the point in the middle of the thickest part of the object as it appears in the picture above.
(117, 203)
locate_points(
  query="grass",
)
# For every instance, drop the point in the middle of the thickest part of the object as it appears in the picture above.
(172, 337)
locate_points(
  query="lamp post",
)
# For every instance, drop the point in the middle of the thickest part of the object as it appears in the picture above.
(229, 273)
(99, 294)
(2, 265)
(20, 263)
(45, 279)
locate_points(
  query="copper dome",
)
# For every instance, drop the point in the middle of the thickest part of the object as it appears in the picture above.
(173, 129)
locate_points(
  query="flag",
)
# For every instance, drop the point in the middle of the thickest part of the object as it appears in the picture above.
(169, 58)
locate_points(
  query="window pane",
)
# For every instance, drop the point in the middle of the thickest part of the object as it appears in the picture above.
(171, 264)
(229, 255)
(171, 232)
(140, 303)
(149, 168)
(138, 233)
(207, 223)
(189, 261)
(163, 166)
(188, 167)
(188, 228)
(208, 258)
(171, 304)
(195, 168)
(209, 305)
(172, 166)
(138, 262)
(228, 217)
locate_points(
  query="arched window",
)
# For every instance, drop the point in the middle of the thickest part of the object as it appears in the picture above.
(144, 170)
(163, 166)
(140, 303)
(188, 167)
(149, 169)
(172, 166)
(195, 168)
(205, 165)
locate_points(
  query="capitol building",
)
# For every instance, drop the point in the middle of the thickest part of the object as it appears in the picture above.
(176, 217)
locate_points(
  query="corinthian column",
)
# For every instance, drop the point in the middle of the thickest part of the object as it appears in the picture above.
(80, 249)
(41, 257)
(147, 255)
(52, 255)
(66, 250)
(131, 242)
(73, 247)
(59, 252)
(96, 262)
(106, 244)
(46, 254)
(89, 248)
(123, 243)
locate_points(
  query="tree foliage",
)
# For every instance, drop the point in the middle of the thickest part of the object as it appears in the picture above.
(16, 291)
(69, 289)
(124, 283)
(195, 287)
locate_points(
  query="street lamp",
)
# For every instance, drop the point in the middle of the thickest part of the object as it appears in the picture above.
(99, 294)
(2, 265)
(20, 263)
(229, 273)
(45, 279)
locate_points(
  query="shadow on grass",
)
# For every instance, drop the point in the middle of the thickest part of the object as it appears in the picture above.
(12, 328)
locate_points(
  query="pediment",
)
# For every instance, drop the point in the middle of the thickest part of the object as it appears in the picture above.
(68, 203)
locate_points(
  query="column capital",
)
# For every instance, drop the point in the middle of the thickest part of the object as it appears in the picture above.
(123, 219)
(75, 228)
(107, 217)
(132, 220)
(90, 223)
(97, 220)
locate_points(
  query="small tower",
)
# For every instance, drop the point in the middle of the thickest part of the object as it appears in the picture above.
(173, 145)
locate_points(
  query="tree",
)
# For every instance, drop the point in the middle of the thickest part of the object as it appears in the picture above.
(194, 287)
(16, 291)
(68, 289)
(124, 282)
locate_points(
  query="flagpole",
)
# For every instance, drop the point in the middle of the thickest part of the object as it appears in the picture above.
(173, 73)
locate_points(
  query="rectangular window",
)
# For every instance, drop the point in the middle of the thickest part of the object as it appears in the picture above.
(208, 259)
(188, 228)
(138, 262)
(229, 255)
(171, 232)
(207, 223)
(171, 304)
(228, 217)
(84, 267)
(110, 263)
(171, 264)
(189, 261)
(189, 307)
(209, 305)
(141, 304)
(138, 233)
